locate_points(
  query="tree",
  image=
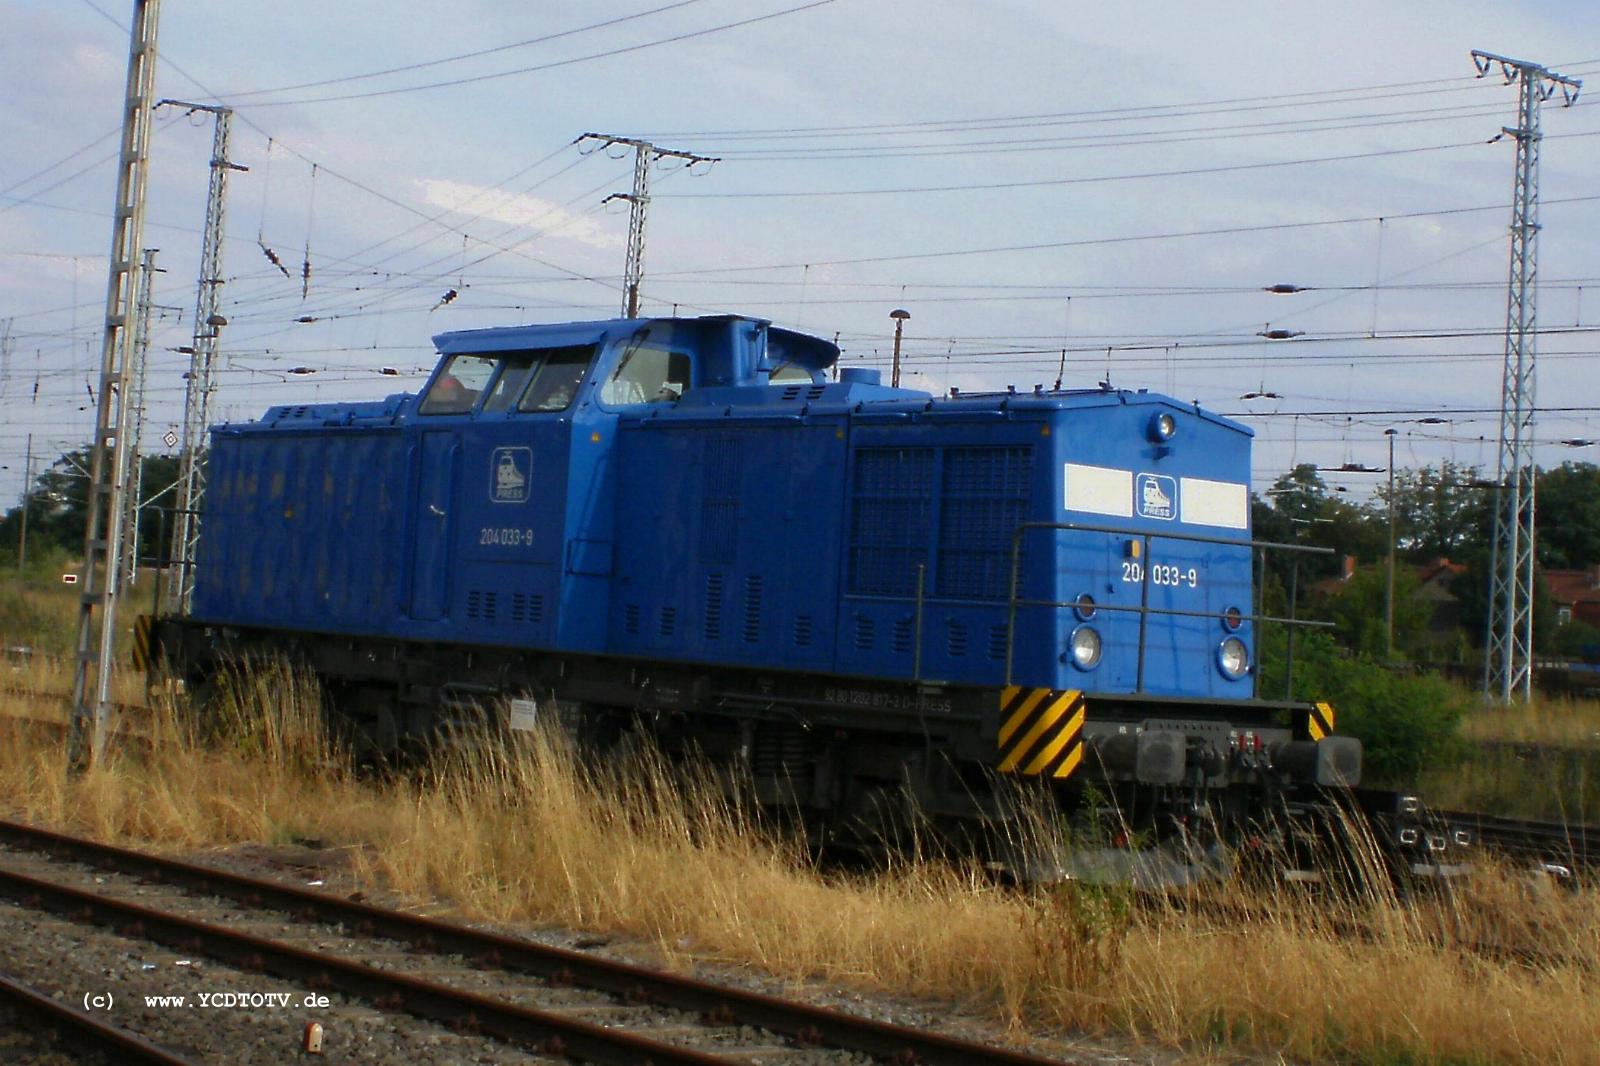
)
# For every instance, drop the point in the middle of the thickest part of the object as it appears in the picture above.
(1439, 512)
(1302, 510)
(58, 508)
(1359, 617)
(1568, 516)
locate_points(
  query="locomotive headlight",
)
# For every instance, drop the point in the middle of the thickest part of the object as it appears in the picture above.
(1085, 647)
(1233, 658)
(1162, 427)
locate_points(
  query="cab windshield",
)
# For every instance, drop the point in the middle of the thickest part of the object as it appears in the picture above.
(529, 380)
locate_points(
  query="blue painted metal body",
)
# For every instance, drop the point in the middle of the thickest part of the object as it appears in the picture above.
(830, 527)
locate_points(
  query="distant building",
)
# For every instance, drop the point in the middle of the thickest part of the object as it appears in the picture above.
(1576, 595)
(1443, 638)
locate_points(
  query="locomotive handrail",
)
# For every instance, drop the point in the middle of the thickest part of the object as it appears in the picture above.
(1144, 609)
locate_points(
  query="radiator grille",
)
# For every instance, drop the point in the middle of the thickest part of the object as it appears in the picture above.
(891, 521)
(984, 498)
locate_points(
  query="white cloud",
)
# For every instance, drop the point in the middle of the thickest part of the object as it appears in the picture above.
(528, 212)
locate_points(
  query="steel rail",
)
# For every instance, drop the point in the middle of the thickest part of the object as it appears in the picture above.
(1561, 842)
(86, 1031)
(802, 1022)
(543, 1031)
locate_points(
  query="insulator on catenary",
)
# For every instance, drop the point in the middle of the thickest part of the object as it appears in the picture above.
(272, 257)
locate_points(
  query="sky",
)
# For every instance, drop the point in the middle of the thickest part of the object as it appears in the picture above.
(1087, 192)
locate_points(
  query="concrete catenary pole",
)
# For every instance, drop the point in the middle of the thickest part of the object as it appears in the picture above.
(102, 540)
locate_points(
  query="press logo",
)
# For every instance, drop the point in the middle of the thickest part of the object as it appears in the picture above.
(1157, 497)
(509, 470)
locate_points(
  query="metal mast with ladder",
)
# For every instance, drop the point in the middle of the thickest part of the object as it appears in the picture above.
(138, 370)
(1508, 648)
(644, 154)
(201, 378)
(103, 530)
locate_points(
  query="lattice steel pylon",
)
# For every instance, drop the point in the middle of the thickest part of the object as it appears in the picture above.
(138, 369)
(1508, 645)
(102, 539)
(200, 382)
(644, 153)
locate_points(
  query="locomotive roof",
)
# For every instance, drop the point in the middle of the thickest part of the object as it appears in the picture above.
(783, 345)
(860, 393)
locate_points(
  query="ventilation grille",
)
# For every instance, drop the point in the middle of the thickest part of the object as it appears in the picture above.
(527, 609)
(630, 618)
(997, 643)
(984, 499)
(752, 609)
(481, 605)
(891, 521)
(956, 638)
(668, 623)
(903, 628)
(719, 501)
(795, 392)
(863, 634)
(712, 629)
(804, 631)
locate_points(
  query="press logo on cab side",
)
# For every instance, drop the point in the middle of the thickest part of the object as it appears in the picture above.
(1156, 496)
(509, 470)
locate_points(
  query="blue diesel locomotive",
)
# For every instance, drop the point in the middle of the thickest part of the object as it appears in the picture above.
(850, 592)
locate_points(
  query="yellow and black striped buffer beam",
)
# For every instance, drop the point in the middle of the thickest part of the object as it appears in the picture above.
(141, 641)
(1319, 721)
(1041, 731)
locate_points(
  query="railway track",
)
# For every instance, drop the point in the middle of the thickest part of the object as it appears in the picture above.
(63, 1023)
(535, 996)
(1575, 847)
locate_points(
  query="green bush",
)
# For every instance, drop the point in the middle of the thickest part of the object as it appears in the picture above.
(1405, 721)
(1577, 639)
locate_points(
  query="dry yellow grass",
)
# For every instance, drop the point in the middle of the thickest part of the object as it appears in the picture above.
(527, 831)
(1559, 722)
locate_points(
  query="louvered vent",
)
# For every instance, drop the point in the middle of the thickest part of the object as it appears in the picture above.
(956, 638)
(712, 630)
(630, 618)
(752, 609)
(481, 605)
(997, 643)
(863, 633)
(668, 623)
(903, 628)
(803, 631)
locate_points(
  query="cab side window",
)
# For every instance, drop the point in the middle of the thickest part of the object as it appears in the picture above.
(457, 388)
(515, 370)
(555, 381)
(647, 374)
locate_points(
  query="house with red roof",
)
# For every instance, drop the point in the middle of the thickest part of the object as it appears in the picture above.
(1576, 594)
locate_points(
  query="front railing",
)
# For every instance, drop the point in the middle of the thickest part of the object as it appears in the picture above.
(1144, 610)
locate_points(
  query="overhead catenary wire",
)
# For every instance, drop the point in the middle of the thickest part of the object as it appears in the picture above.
(534, 68)
(241, 94)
